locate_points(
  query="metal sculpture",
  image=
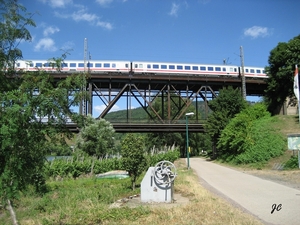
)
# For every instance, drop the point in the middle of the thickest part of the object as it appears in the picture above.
(164, 173)
(158, 183)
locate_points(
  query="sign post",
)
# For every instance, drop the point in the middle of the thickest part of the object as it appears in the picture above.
(294, 144)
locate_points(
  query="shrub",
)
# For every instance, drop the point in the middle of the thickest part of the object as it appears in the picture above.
(292, 163)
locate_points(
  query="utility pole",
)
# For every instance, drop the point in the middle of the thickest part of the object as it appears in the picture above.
(242, 73)
(84, 85)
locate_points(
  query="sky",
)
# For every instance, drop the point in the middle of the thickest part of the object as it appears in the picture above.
(194, 31)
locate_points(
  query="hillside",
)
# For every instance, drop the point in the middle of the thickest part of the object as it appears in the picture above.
(140, 114)
(287, 124)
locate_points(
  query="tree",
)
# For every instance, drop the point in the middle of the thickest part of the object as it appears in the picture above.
(228, 103)
(96, 138)
(282, 61)
(23, 135)
(25, 100)
(13, 29)
(133, 159)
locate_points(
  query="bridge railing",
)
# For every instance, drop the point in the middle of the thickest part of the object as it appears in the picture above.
(145, 121)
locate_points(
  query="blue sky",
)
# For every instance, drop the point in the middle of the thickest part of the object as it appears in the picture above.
(195, 31)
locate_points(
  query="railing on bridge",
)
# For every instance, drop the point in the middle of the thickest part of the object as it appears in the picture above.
(144, 126)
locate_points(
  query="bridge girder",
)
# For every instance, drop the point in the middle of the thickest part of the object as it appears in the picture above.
(147, 88)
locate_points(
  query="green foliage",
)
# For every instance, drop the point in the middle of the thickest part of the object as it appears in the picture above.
(292, 163)
(168, 156)
(282, 61)
(79, 165)
(58, 150)
(236, 134)
(249, 137)
(133, 159)
(228, 103)
(23, 136)
(96, 138)
(13, 30)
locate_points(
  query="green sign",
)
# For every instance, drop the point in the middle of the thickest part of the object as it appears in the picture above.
(294, 144)
(294, 141)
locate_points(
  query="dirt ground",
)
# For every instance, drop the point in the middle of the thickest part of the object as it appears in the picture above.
(135, 201)
(290, 178)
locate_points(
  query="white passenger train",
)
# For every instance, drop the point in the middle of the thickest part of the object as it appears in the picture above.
(157, 68)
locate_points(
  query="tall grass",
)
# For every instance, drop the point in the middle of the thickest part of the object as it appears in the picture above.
(87, 201)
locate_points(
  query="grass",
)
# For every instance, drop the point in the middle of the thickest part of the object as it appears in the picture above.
(87, 200)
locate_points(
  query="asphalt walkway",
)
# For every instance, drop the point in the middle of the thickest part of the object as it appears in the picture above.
(258, 196)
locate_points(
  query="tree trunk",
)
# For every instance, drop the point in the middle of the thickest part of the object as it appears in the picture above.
(12, 213)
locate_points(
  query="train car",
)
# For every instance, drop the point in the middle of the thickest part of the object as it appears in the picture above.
(157, 68)
(255, 72)
(185, 68)
(94, 66)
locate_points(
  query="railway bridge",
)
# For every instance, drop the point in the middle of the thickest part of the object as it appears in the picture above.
(175, 94)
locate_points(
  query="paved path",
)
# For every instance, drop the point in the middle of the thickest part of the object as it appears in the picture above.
(252, 193)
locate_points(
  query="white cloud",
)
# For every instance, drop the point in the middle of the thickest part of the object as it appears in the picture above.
(45, 44)
(104, 2)
(68, 46)
(174, 9)
(57, 3)
(99, 108)
(50, 30)
(257, 31)
(105, 25)
(83, 15)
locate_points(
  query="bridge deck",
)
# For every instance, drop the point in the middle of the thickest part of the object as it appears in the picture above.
(148, 128)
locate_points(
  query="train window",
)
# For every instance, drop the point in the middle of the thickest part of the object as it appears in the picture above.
(210, 68)
(251, 70)
(106, 65)
(46, 65)
(100, 65)
(179, 67)
(247, 70)
(155, 66)
(224, 69)
(72, 64)
(149, 66)
(90, 65)
(195, 67)
(187, 67)
(80, 64)
(257, 71)
(30, 64)
(64, 65)
(38, 64)
(113, 65)
(18, 64)
(163, 66)
(126, 65)
(140, 65)
(235, 70)
(217, 68)
(202, 68)
(171, 67)
(263, 71)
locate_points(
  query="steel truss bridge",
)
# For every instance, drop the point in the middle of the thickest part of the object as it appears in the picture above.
(174, 92)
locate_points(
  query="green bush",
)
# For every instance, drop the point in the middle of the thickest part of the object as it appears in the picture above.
(76, 166)
(266, 143)
(249, 137)
(292, 163)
